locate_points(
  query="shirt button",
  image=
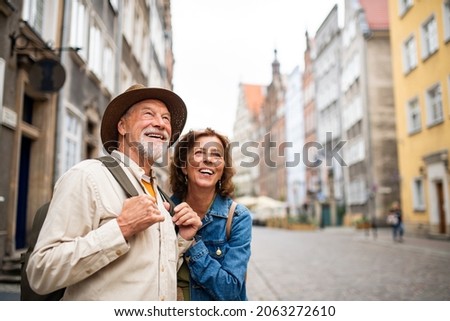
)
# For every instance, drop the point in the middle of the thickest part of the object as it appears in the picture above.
(162, 268)
(118, 252)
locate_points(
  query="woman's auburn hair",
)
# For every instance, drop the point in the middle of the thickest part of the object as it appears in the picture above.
(182, 149)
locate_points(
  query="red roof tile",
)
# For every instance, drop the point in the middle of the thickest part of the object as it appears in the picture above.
(254, 95)
(376, 13)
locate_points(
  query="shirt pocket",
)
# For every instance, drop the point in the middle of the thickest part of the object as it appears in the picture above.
(217, 249)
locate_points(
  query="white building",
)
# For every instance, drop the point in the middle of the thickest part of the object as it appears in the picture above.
(295, 139)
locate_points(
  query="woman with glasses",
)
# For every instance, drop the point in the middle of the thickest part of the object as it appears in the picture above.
(201, 172)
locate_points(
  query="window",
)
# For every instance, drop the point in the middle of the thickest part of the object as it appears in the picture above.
(78, 27)
(33, 13)
(357, 192)
(429, 37)
(72, 141)
(115, 5)
(446, 17)
(413, 114)
(434, 105)
(418, 194)
(409, 54)
(404, 5)
(95, 50)
(352, 112)
(108, 68)
(354, 151)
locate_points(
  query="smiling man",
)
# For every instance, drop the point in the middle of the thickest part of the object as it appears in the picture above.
(96, 242)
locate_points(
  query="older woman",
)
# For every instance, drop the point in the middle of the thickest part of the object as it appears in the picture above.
(201, 174)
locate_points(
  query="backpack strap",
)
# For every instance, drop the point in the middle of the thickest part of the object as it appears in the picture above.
(118, 173)
(166, 198)
(230, 219)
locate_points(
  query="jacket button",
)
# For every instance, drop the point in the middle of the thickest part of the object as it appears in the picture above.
(218, 252)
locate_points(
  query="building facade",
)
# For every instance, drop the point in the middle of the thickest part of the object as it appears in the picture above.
(295, 134)
(246, 139)
(368, 115)
(61, 62)
(420, 42)
(327, 69)
(310, 126)
(272, 175)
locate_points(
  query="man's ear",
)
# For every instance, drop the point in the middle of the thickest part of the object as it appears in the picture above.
(121, 127)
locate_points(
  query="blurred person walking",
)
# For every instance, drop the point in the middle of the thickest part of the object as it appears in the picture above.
(396, 221)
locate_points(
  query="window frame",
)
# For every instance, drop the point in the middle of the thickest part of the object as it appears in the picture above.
(409, 112)
(446, 19)
(430, 103)
(429, 40)
(404, 6)
(409, 50)
(74, 138)
(418, 194)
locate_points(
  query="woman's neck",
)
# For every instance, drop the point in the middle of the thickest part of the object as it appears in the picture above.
(200, 201)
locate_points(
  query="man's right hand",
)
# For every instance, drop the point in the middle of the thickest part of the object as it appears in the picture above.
(138, 213)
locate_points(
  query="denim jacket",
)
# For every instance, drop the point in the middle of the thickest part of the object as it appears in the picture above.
(218, 266)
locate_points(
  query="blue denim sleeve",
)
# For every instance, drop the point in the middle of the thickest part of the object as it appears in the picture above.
(225, 280)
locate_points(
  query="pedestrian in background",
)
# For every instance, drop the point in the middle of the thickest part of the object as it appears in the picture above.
(201, 175)
(396, 220)
(96, 242)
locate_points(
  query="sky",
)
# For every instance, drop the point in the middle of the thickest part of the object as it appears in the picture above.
(219, 44)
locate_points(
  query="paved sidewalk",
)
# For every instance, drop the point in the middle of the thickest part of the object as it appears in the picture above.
(345, 264)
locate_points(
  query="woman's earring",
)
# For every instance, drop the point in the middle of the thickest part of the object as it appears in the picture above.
(185, 179)
(220, 185)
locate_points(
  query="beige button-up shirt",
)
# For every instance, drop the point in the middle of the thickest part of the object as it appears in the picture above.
(82, 248)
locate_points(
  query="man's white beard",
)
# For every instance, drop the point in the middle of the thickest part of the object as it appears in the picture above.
(152, 150)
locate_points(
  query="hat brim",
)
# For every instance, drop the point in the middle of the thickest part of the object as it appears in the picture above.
(119, 105)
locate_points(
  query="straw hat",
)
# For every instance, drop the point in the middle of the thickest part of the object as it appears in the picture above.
(136, 93)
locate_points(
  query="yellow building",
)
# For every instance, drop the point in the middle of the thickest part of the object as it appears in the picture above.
(420, 42)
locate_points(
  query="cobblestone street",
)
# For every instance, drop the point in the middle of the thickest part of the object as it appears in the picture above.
(344, 264)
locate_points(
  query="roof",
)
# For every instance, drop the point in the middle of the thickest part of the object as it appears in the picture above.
(377, 14)
(254, 96)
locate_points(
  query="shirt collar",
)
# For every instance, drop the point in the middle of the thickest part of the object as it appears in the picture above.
(137, 171)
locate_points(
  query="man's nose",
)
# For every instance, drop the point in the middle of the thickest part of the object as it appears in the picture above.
(158, 121)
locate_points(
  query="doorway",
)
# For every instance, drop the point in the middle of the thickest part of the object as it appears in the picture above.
(441, 208)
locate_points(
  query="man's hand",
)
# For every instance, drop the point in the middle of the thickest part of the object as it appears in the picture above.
(187, 221)
(138, 213)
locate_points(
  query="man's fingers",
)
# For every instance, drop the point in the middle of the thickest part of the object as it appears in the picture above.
(166, 205)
